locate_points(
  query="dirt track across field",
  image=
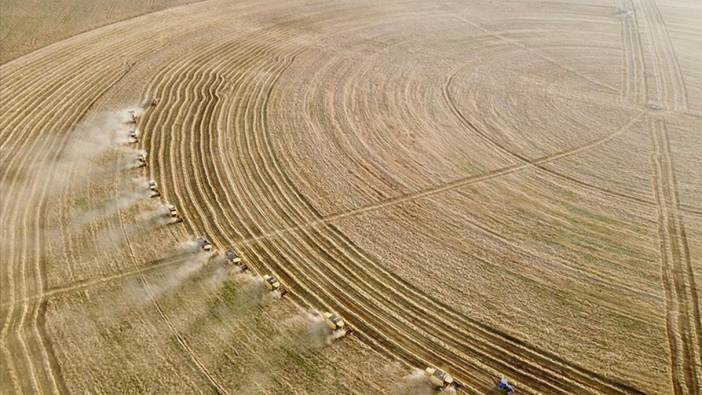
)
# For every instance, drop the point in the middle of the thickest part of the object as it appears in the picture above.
(497, 189)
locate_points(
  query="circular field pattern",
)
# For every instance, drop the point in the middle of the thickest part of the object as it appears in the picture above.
(493, 188)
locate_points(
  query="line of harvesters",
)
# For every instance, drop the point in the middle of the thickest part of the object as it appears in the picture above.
(439, 379)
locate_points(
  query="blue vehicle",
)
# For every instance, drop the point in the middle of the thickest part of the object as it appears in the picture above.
(505, 387)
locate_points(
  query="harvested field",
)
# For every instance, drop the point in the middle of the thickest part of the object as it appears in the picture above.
(494, 188)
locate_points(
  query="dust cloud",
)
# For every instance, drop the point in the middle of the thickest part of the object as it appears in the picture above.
(184, 267)
(311, 331)
(88, 154)
(416, 383)
(106, 209)
(176, 277)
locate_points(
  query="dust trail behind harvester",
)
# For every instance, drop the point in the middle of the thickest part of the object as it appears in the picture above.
(91, 157)
(154, 216)
(107, 208)
(215, 278)
(95, 152)
(310, 330)
(416, 383)
(175, 278)
(82, 158)
(251, 291)
(190, 264)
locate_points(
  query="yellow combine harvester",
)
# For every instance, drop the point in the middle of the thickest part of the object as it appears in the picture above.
(234, 258)
(273, 284)
(334, 322)
(173, 213)
(440, 379)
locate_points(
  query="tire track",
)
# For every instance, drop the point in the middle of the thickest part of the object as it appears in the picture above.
(670, 83)
(179, 338)
(355, 143)
(51, 363)
(682, 309)
(633, 57)
(90, 283)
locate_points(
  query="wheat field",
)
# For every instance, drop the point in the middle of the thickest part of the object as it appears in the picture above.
(494, 188)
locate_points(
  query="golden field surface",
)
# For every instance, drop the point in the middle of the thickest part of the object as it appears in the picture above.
(29, 25)
(495, 188)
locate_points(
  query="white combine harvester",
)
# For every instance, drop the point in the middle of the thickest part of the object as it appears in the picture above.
(153, 187)
(133, 135)
(133, 116)
(141, 160)
(204, 244)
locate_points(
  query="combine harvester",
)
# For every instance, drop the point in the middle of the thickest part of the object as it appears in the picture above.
(204, 244)
(173, 213)
(133, 135)
(505, 387)
(441, 380)
(273, 284)
(235, 259)
(336, 324)
(141, 160)
(133, 116)
(153, 187)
